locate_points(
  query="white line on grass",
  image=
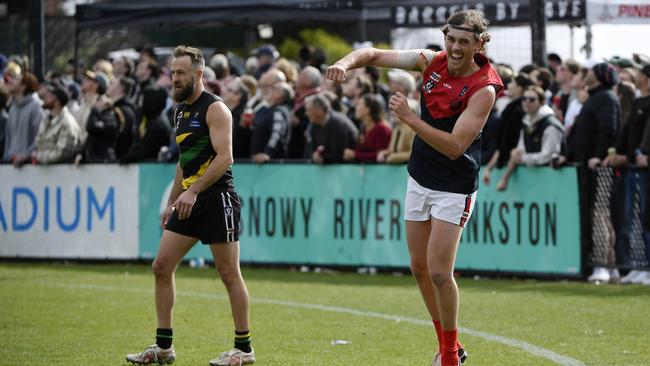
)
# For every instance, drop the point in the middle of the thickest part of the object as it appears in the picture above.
(529, 348)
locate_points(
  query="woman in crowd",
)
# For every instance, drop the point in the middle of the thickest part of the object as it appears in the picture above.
(376, 131)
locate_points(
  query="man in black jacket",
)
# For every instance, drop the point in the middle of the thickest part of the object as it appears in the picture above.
(593, 134)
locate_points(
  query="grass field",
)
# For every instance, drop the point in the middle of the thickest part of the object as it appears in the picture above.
(55, 314)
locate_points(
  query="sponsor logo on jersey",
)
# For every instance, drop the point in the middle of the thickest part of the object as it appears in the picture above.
(428, 86)
(435, 76)
(194, 123)
(462, 92)
(446, 85)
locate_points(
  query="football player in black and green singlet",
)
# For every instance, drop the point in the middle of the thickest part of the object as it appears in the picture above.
(202, 205)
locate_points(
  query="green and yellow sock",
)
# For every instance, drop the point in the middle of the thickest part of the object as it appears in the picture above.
(243, 340)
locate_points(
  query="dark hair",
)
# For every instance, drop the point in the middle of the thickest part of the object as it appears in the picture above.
(4, 97)
(554, 57)
(545, 77)
(154, 100)
(128, 63)
(30, 81)
(194, 54)
(375, 107)
(365, 84)
(523, 80)
(475, 19)
(334, 100)
(527, 69)
(154, 69)
(541, 97)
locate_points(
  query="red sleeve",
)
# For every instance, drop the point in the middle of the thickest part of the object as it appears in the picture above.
(377, 139)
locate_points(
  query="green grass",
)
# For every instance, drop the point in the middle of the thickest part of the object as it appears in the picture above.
(55, 314)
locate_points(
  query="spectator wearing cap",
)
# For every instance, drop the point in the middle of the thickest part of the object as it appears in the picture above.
(308, 83)
(589, 141)
(59, 135)
(597, 125)
(331, 132)
(24, 118)
(93, 86)
(266, 56)
(4, 99)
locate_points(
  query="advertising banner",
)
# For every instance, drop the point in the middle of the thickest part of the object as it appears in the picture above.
(63, 211)
(413, 14)
(353, 215)
(618, 12)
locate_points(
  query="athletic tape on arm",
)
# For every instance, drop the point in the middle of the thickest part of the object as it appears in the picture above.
(407, 59)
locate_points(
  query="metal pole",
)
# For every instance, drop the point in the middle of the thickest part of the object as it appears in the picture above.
(76, 54)
(363, 25)
(36, 38)
(538, 31)
(571, 44)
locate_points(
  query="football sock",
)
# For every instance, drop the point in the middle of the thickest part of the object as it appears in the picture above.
(164, 337)
(449, 348)
(243, 340)
(438, 326)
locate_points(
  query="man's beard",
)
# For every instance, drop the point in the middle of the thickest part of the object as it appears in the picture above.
(180, 95)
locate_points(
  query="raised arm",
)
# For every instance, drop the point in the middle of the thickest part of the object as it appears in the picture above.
(416, 60)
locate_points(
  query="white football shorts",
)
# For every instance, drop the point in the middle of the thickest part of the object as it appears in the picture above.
(422, 204)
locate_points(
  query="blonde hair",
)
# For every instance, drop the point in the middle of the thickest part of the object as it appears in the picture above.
(477, 22)
(193, 53)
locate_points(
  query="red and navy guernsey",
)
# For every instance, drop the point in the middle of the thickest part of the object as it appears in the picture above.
(444, 98)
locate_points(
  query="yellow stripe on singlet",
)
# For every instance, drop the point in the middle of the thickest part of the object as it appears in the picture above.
(187, 182)
(182, 137)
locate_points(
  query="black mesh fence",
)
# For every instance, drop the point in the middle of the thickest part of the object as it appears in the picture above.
(617, 220)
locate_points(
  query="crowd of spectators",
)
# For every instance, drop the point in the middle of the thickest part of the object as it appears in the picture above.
(593, 115)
